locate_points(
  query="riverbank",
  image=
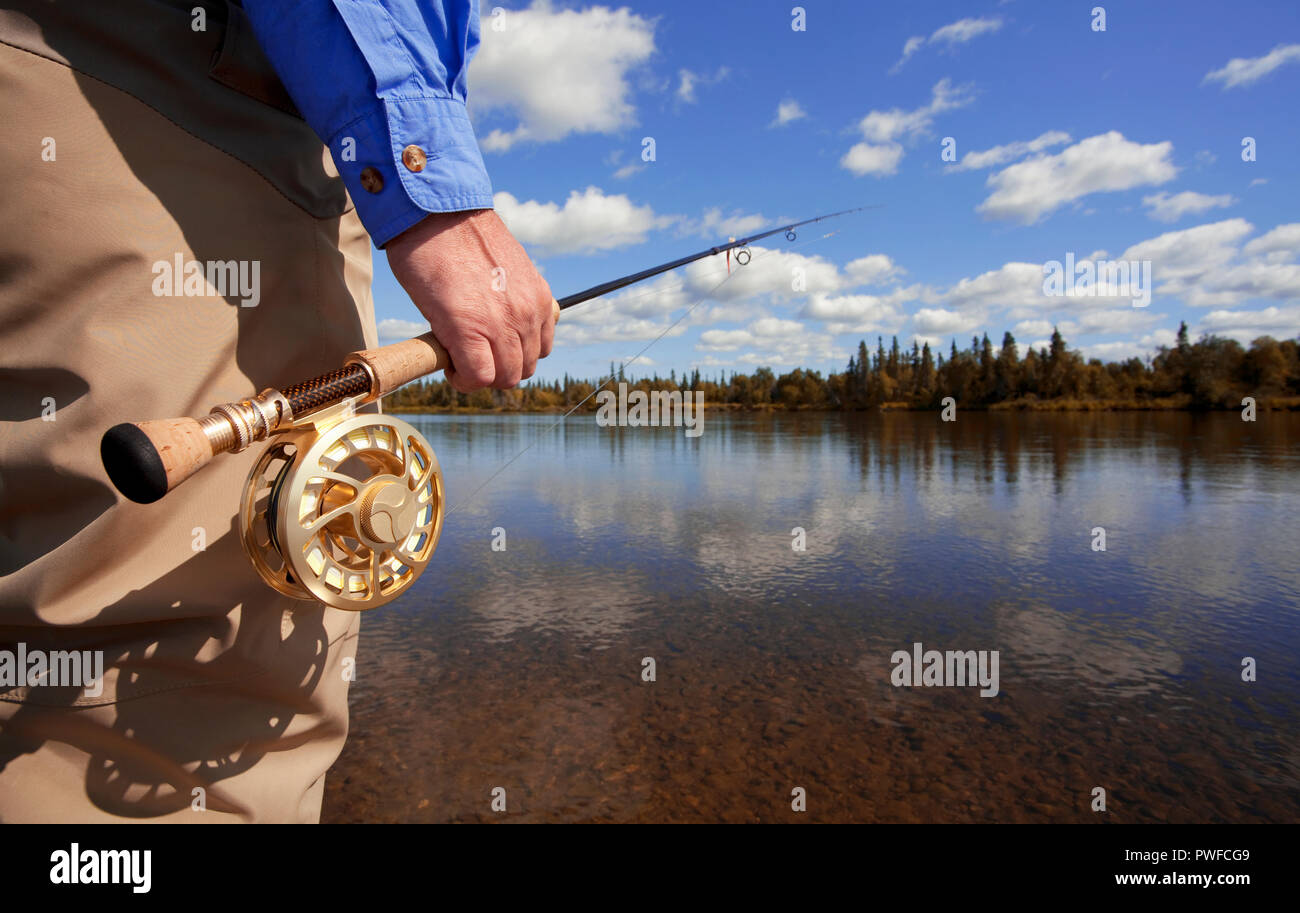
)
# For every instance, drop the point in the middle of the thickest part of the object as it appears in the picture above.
(1163, 404)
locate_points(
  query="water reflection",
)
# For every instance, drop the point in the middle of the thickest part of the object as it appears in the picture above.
(1119, 667)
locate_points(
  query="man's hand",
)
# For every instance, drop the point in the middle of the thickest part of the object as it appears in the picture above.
(481, 294)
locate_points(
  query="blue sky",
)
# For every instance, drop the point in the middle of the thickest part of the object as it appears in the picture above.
(1122, 144)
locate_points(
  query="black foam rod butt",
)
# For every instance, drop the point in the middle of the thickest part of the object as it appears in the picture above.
(133, 463)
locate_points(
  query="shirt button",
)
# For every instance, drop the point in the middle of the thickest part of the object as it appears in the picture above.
(413, 158)
(372, 180)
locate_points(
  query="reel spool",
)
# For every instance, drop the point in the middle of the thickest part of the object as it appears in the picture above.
(346, 510)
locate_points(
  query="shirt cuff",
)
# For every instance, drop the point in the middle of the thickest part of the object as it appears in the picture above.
(390, 197)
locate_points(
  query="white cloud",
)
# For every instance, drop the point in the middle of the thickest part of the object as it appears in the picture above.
(1160, 337)
(910, 47)
(1242, 281)
(653, 300)
(865, 158)
(393, 330)
(757, 318)
(774, 279)
(1111, 351)
(1032, 328)
(1124, 349)
(1205, 267)
(856, 308)
(1192, 251)
(570, 333)
(885, 126)
(713, 224)
(1212, 265)
(1243, 71)
(950, 35)
(884, 131)
(788, 111)
(1277, 246)
(615, 160)
(724, 340)
(770, 275)
(731, 312)
(859, 313)
(1183, 260)
(942, 322)
(1245, 325)
(775, 328)
(1109, 321)
(1165, 207)
(589, 220)
(771, 341)
(999, 155)
(872, 270)
(686, 86)
(641, 312)
(559, 72)
(1012, 285)
(1028, 190)
(963, 30)
(688, 80)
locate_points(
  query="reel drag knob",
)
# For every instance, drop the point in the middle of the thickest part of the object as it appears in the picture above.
(388, 512)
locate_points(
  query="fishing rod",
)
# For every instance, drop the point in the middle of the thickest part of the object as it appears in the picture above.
(342, 507)
(615, 284)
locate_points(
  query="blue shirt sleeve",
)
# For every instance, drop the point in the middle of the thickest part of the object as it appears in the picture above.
(374, 78)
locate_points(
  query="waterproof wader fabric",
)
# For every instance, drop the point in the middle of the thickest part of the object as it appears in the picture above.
(131, 139)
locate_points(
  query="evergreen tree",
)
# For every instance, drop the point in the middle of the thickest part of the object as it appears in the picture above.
(1210, 373)
(926, 377)
(1058, 348)
(1005, 381)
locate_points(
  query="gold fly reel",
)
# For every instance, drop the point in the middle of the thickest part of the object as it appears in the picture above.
(346, 510)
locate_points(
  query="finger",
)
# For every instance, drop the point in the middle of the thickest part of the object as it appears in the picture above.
(449, 375)
(548, 332)
(460, 384)
(509, 357)
(475, 364)
(529, 349)
(547, 339)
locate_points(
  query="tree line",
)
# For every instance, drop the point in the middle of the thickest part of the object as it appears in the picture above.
(1212, 373)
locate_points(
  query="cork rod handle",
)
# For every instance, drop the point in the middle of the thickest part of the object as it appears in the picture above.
(402, 362)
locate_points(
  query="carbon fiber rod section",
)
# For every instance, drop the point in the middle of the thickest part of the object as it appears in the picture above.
(615, 284)
(327, 389)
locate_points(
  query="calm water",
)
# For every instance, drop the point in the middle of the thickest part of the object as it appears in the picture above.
(1121, 669)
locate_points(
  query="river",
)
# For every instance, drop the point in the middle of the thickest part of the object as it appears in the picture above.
(624, 551)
